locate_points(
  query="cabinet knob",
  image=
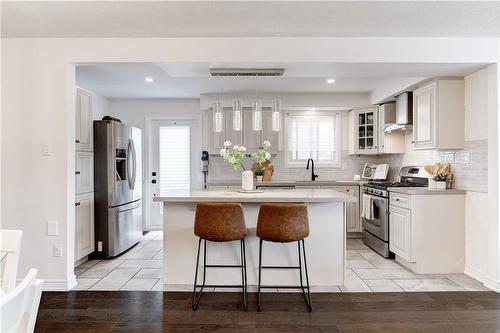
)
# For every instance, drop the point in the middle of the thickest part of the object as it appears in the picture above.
(413, 142)
(77, 204)
(77, 172)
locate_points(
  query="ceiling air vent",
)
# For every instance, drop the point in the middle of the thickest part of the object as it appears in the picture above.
(246, 71)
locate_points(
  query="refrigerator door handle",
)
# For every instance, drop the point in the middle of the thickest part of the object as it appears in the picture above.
(131, 167)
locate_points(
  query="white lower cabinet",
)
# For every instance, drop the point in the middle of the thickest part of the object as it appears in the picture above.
(400, 232)
(353, 221)
(427, 231)
(84, 225)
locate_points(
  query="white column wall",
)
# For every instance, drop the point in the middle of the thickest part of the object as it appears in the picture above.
(38, 85)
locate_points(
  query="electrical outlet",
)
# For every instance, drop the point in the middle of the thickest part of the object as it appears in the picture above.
(52, 228)
(57, 250)
(99, 246)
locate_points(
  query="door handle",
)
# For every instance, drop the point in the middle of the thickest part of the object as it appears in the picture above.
(153, 181)
(77, 204)
(77, 172)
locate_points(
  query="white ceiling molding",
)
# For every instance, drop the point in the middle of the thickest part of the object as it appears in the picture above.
(136, 19)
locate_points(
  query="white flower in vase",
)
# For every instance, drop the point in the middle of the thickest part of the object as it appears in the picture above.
(266, 144)
(227, 144)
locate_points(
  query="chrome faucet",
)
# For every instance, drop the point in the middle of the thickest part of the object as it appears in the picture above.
(313, 176)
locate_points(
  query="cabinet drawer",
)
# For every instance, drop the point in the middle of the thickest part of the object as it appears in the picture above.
(400, 200)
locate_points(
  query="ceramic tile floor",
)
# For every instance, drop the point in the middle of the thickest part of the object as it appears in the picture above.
(141, 268)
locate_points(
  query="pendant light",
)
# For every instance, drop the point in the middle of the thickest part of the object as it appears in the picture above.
(257, 111)
(257, 115)
(237, 113)
(218, 115)
(276, 116)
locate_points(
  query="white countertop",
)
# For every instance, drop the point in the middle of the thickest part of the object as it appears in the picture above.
(268, 195)
(424, 191)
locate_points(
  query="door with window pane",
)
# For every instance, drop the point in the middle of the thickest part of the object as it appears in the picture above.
(366, 129)
(172, 163)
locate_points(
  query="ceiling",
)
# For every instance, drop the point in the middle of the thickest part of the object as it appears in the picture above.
(250, 18)
(190, 80)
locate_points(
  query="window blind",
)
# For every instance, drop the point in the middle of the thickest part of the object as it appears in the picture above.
(174, 158)
(312, 137)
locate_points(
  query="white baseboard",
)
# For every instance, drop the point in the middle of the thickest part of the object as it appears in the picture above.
(481, 277)
(59, 284)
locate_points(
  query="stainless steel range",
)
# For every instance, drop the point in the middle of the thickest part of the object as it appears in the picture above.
(375, 207)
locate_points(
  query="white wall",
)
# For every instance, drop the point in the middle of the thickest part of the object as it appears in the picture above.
(134, 110)
(476, 203)
(38, 87)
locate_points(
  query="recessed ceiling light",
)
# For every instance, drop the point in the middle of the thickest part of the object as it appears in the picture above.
(148, 79)
(330, 81)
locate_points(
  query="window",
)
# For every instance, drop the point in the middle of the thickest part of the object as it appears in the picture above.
(313, 136)
(175, 173)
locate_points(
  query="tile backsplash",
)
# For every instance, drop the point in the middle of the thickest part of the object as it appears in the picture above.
(469, 166)
(351, 165)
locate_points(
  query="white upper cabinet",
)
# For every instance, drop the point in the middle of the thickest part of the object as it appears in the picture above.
(438, 115)
(83, 119)
(84, 172)
(365, 129)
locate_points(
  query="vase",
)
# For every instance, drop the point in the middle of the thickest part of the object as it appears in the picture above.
(432, 182)
(441, 185)
(247, 180)
(259, 179)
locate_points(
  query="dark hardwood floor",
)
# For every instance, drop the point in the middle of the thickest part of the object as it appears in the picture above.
(136, 311)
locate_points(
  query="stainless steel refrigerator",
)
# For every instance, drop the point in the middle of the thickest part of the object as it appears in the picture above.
(117, 187)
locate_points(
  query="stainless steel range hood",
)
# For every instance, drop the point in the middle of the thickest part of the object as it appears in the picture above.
(404, 113)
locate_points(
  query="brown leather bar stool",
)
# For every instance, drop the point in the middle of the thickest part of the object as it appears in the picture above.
(219, 222)
(284, 223)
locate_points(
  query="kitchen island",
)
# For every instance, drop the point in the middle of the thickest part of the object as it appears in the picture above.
(325, 245)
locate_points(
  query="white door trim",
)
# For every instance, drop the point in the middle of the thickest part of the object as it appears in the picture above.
(148, 121)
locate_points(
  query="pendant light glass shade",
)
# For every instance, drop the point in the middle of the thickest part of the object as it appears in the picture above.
(257, 116)
(276, 116)
(237, 115)
(218, 117)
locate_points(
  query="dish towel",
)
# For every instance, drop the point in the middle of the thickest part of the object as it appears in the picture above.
(367, 212)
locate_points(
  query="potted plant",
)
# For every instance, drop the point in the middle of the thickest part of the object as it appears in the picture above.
(441, 179)
(235, 156)
(259, 173)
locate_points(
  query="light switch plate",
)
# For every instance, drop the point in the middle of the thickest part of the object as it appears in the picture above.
(57, 250)
(46, 150)
(52, 228)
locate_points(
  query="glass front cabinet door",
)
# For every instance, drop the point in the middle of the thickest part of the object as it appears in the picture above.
(366, 130)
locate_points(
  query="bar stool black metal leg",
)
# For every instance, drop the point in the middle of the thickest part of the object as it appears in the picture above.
(260, 274)
(243, 274)
(308, 301)
(196, 298)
